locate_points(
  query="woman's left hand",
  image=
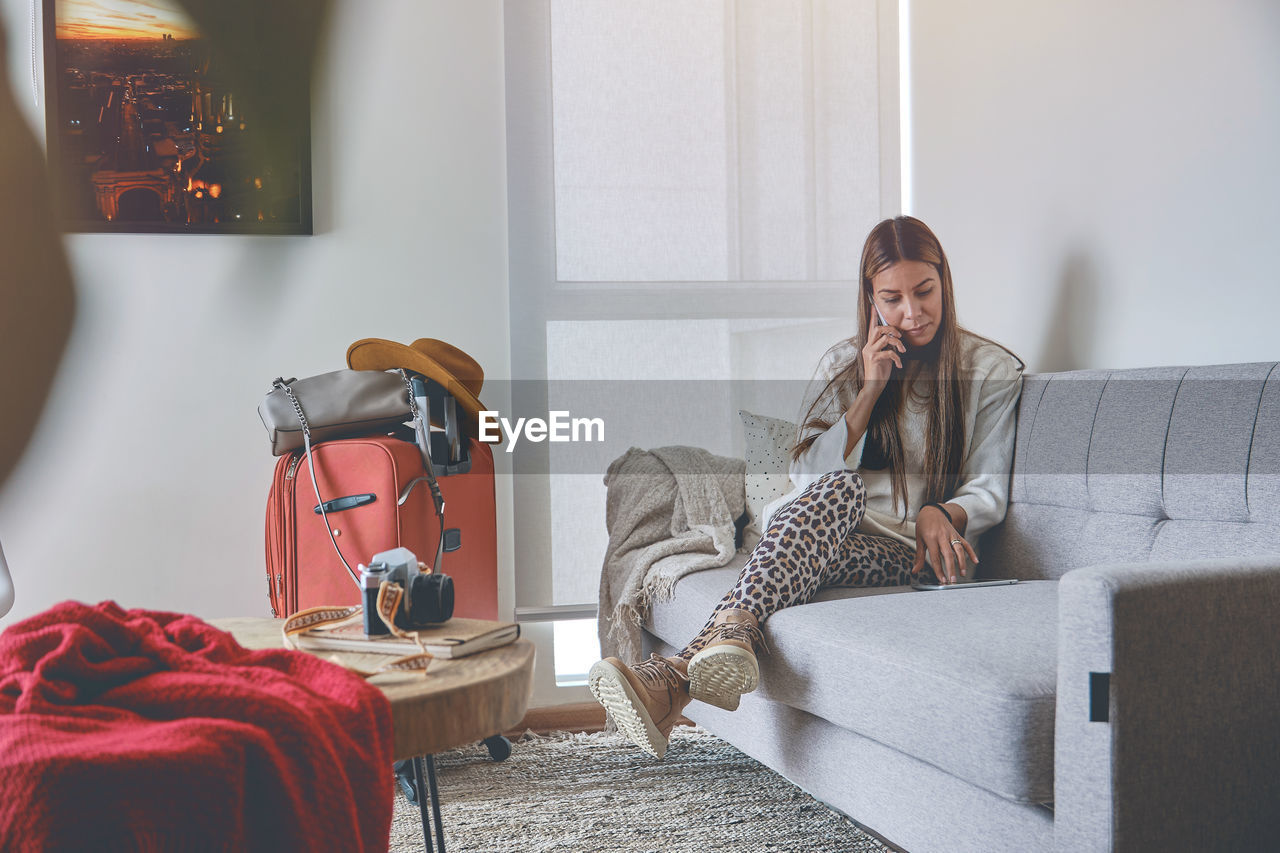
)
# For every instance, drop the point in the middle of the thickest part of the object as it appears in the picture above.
(950, 552)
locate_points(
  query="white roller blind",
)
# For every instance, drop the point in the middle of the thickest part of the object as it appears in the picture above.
(713, 141)
(641, 174)
(690, 185)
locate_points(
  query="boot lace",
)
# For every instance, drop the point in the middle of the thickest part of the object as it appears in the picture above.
(743, 632)
(658, 671)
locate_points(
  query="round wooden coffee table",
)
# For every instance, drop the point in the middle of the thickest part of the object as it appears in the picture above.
(454, 703)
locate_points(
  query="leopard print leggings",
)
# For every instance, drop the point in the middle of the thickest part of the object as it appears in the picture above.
(811, 544)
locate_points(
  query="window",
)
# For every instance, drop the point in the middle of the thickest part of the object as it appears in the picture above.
(690, 182)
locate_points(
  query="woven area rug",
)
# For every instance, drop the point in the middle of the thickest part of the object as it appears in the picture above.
(573, 793)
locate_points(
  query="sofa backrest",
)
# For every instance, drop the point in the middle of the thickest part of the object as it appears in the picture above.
(1141, 465)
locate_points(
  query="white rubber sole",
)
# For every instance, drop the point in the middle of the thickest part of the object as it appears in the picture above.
(614, 692)
(719, 675)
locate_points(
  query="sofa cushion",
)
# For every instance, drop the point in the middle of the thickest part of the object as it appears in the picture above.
(962, 679)
(768, 444)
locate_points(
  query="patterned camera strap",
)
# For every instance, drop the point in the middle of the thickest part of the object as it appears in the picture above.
(320, 618)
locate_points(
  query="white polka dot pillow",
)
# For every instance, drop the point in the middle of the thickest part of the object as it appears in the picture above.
(768, 445)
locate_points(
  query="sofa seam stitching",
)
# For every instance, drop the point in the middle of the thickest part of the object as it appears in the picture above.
(1253, 434)
(1088, 451)
(1164, 451)
(1035, 417)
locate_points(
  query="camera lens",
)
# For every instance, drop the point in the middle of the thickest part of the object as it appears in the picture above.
(430, 599)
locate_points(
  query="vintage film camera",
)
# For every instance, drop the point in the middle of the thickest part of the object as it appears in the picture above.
(428, 597)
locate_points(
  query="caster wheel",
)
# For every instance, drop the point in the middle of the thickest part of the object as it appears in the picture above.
(404, 776)
(499, 747)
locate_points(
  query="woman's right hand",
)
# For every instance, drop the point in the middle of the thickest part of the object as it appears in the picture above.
(880, 354)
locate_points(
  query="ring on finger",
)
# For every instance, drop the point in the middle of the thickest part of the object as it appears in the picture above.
(956, 541)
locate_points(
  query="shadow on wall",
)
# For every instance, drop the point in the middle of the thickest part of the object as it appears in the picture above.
(269, 46)
(37, 297)
(1072, 335)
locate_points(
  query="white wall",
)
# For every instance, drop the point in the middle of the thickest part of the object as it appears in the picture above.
(1104, 175)
(148, 480)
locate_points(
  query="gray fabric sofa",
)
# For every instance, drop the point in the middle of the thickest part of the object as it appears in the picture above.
(1124, 696)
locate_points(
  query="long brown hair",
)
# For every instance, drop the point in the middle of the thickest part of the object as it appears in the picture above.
(905, 238)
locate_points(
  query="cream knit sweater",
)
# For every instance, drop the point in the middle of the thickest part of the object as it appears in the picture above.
(993, 381)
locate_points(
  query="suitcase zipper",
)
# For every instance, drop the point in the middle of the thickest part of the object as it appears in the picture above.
(286, 536)
(274, 544)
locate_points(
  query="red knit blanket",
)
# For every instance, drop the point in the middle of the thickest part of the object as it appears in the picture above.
(137, 730)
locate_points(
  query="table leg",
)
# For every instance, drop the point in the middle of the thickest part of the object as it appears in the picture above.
(424, 775)
(435, 800)
(420, 785)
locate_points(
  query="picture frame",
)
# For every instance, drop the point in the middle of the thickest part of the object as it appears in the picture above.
(148, 132)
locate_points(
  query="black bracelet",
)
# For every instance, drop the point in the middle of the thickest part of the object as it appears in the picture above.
(943, 510)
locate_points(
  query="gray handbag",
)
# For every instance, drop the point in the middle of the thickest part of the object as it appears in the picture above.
(338, 404)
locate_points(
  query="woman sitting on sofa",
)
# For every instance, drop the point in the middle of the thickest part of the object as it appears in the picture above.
(903, 460)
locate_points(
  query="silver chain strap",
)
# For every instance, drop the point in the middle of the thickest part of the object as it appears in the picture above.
(434, 486)
(413, 401)
(297, 407)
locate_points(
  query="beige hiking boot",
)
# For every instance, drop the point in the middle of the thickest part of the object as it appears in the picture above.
(726, 667)
(644, 700)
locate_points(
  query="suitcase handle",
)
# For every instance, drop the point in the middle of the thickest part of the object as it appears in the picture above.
(340, 504)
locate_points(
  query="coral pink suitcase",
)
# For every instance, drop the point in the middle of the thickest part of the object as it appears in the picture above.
(376, 497)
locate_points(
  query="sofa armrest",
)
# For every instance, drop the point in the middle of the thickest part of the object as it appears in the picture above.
(1167, 735)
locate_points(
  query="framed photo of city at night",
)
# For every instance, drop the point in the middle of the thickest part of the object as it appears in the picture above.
(150, 130)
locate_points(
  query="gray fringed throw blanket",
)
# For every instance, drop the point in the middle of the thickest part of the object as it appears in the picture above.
(669, 512)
